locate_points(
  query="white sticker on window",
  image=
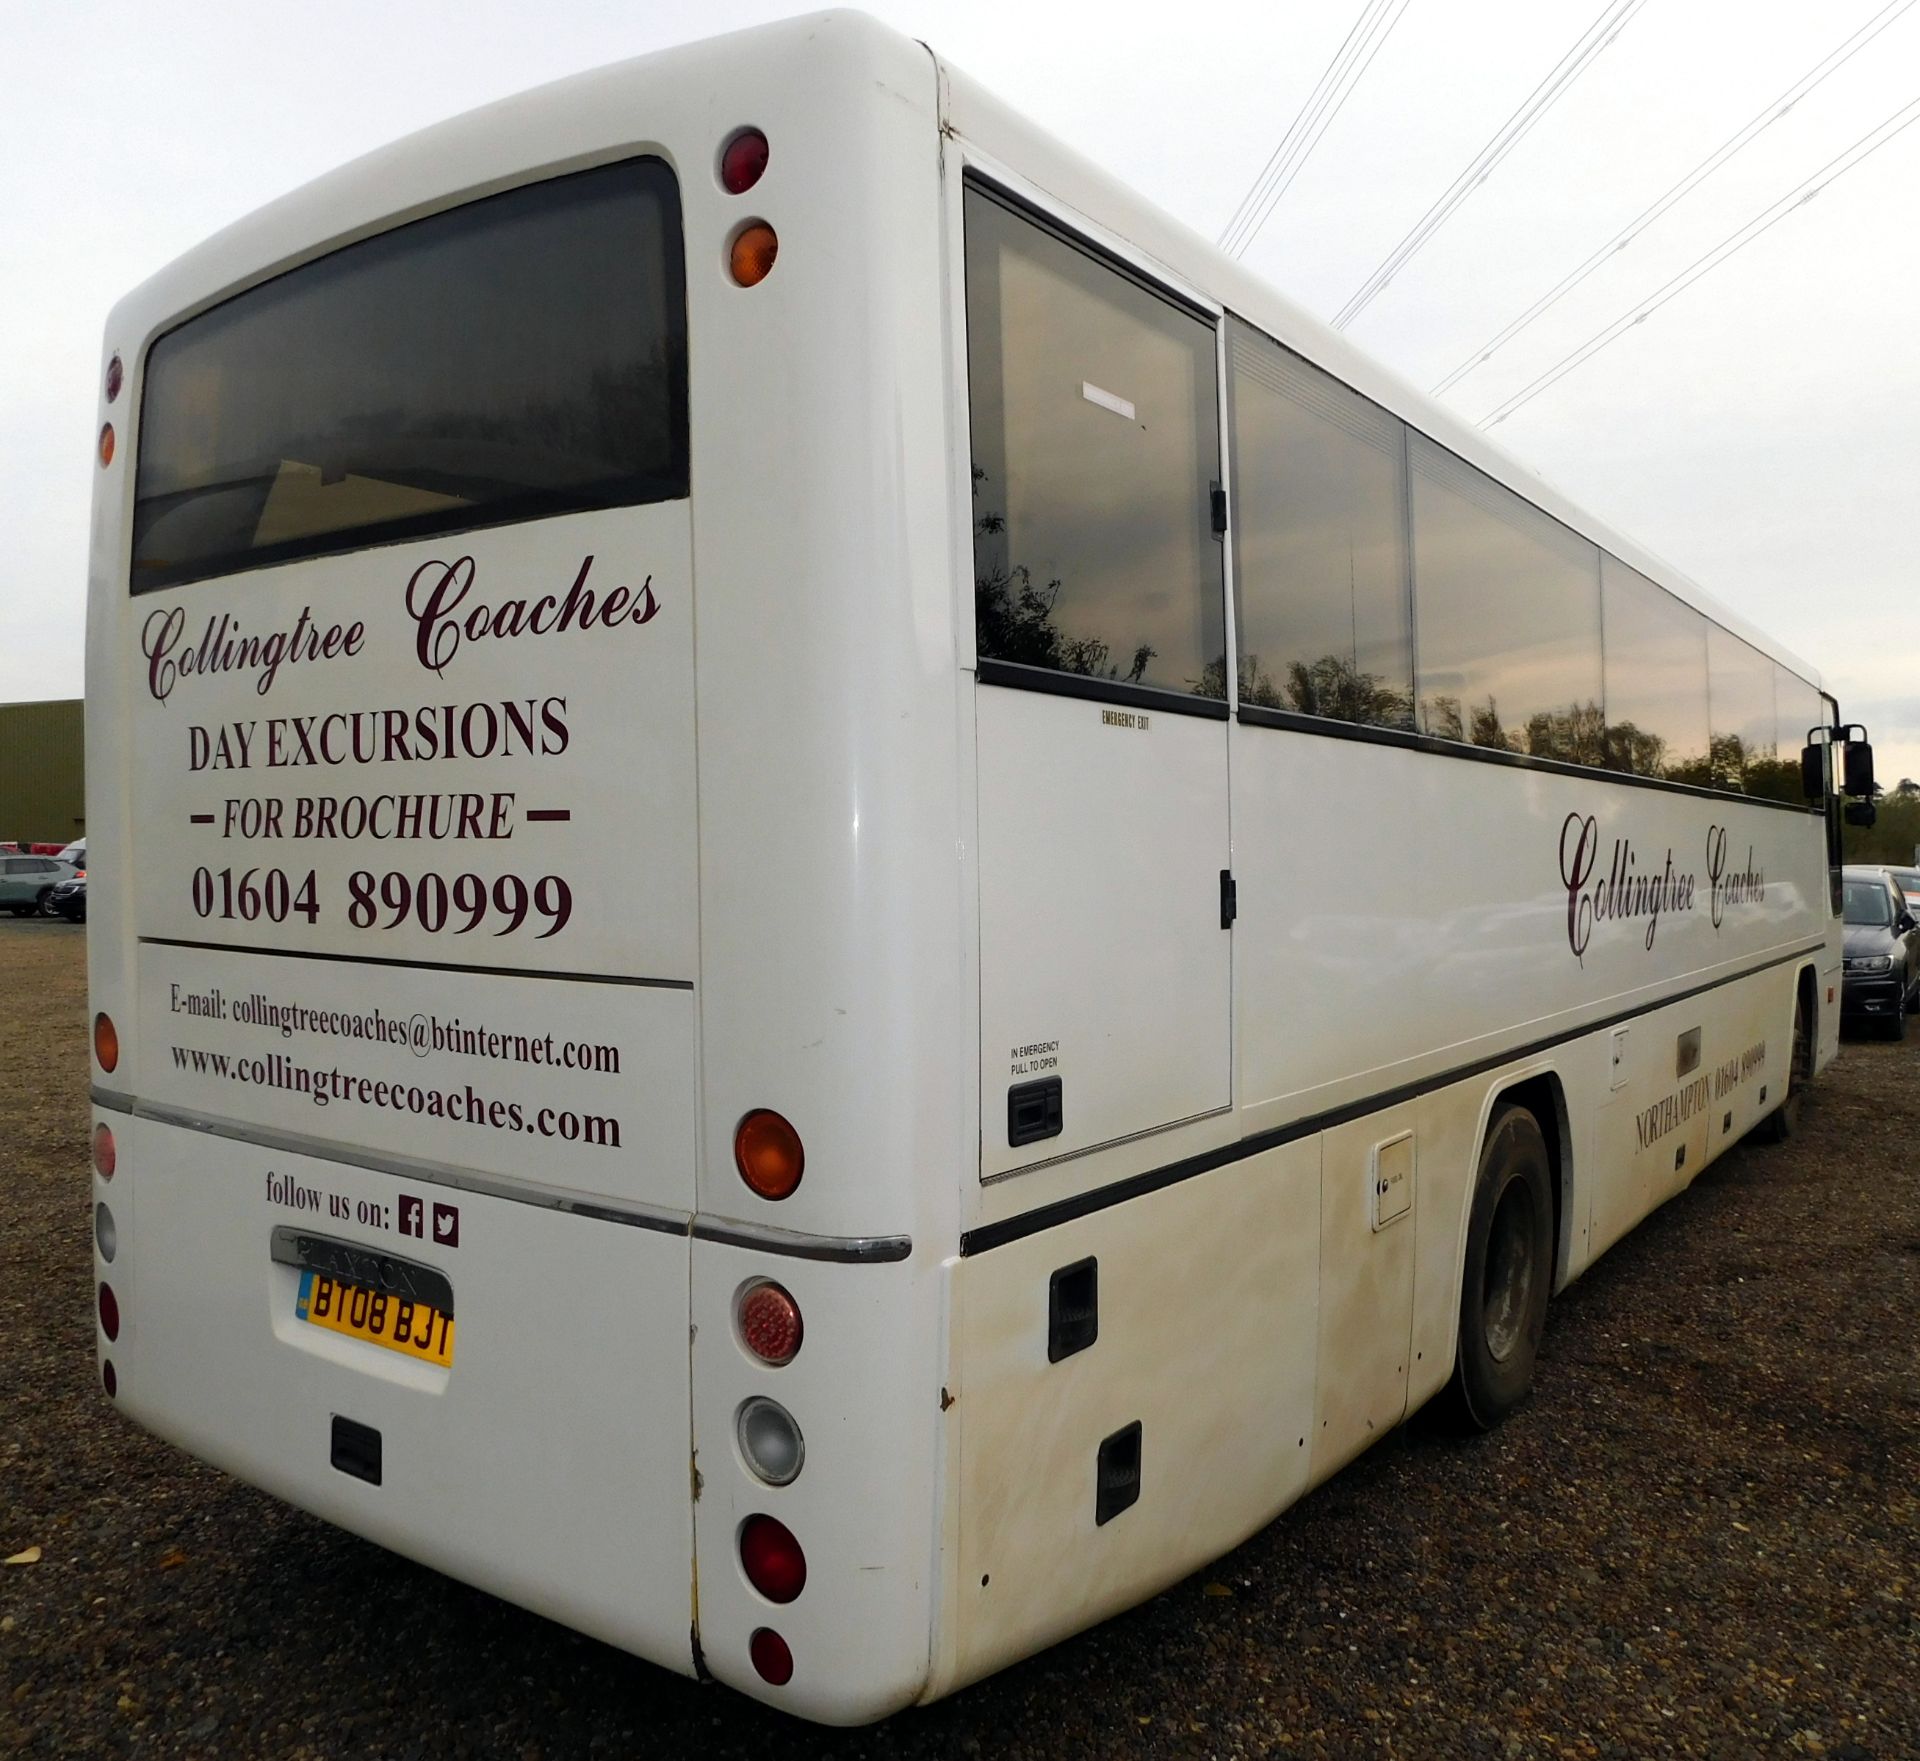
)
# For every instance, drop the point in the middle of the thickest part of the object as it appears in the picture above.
(1106, 400)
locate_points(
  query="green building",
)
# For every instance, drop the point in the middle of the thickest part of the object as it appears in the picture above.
(43, 772)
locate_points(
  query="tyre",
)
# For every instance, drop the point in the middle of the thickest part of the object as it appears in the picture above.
(1508, 1271)
(1896, 1023)
(1784, 1120)
(43, 902)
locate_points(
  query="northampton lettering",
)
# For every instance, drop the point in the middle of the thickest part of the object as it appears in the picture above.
(1629, 892)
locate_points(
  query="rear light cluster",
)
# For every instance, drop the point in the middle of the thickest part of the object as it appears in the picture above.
(768, 1325)
(114, 374)
(106, 1233)
(743, 161)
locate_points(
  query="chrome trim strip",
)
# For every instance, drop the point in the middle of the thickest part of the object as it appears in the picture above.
(111, 1099)
(657, 984)
(838, 1249)
(419, 1168)
(842, 1249)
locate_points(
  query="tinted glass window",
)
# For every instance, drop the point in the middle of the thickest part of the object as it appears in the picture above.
(1507, 605)
(1320, 541)
(1656, 677)
(1796, 708)
(1095, 446)
(1868, 902)
(1740, 701)
(520, 356)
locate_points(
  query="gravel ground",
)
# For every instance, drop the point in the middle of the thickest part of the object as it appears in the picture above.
(1701, 1538)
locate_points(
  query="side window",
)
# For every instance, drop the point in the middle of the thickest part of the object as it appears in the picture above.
(1656, 678)
(1796, 708)
(1740, 696)
(1095, 449)
(1507, 603)
(1320, 541)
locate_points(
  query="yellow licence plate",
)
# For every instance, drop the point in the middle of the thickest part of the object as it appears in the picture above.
(412, 1328)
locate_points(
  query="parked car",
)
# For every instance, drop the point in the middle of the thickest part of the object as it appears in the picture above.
(75, 853)
(1882, 951)
(27, 882)
(1906, 879)
(69, 900)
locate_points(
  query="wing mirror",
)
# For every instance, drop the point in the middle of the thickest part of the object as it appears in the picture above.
(1859, 768)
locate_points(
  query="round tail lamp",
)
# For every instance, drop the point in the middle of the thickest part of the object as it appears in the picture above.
(105, 1154)
(109, 1380)
(107, 1236)
(106, 428)
(766, 1150)
(754, 249)
(772, 1657)
(770, 1557)
(106, 1042)
(769, 1322)
(115, 372)
(110, 1325)
(742, 160)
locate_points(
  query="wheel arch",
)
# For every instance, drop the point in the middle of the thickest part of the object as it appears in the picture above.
(1543, 1093)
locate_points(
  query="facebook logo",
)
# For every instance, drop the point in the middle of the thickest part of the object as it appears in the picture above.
(412, 1222)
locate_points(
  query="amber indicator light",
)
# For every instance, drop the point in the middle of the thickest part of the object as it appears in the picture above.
(754, 250)
(106, 443)
(766, 1150)
(106, 1043)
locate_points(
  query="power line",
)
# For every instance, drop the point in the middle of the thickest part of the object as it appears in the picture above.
(1613, 19)
(1324, 103)
(1328, 76)
(1733, 145)
(1836, 168)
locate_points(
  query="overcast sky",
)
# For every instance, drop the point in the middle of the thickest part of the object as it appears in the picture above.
(1761, 431)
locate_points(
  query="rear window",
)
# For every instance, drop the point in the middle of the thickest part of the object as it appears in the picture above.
(514, 358)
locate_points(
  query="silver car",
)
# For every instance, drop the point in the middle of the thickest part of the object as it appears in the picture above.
(27, 882)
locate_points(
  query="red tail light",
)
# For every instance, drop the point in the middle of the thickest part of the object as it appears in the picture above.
(770, 1556)
(105, 1156)
(108, 1380)
(742, 161)
(769, 1321)
(110, 1325)
(772, 1656)
(114, 374)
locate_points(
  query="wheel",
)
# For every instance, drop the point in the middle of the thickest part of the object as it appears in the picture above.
(1781, 1123)
(1896, 1024)
(1508, 1271)
(43, 902)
